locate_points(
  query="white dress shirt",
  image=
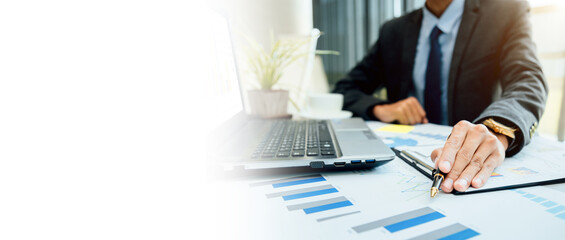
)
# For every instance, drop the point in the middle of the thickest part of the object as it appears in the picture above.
(448, 23)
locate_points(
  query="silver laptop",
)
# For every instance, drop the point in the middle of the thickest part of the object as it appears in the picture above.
(241, 143)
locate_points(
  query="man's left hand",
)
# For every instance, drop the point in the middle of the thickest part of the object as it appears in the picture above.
(469, 156)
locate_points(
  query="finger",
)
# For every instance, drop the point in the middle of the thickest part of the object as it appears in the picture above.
(489, 165)
(402, 116)
(435, 155)
(406, 114)
(407, 110)
(425, 120)
(419, 108)
(414, 116)
(397, 112)
(415, 107)
(452, 146)
(474, 166)
(477, 135)
(449, 151)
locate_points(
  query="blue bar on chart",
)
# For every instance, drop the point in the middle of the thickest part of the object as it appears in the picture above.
(402, 221)
(552, 206)
(454, 231)
(327, 207)
(287, 180)
(304, 192)
(321, 205)
(465, 234)
(310, 194)
(556, 209)
(549, 204)
(529, 195)
(298, 182)
(413, 222)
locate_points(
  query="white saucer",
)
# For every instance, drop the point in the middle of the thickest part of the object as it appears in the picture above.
(338, 115)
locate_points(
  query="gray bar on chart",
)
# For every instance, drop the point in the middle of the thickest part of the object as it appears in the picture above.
(442, 232)
(392, 220)
(336, 216)
(316, 203)
(297, 191)
(283, 180)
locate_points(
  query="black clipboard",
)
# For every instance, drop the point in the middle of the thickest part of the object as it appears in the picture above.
(413, 163)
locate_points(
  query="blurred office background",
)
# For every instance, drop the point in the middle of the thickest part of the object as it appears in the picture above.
(351, 27)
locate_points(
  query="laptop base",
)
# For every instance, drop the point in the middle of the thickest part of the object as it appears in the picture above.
(326, 168)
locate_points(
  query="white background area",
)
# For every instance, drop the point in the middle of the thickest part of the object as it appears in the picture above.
(100, 135)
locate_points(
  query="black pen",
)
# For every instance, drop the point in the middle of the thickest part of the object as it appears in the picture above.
(437, 175)
(417, 161)
(438, 179)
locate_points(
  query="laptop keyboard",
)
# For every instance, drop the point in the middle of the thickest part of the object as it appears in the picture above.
(288, 139)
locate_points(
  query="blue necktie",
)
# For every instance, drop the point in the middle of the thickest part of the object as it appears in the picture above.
(432, 92)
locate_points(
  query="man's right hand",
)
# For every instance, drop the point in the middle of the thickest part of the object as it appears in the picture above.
(407, 111)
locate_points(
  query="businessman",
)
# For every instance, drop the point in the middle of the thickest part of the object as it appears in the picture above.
(470, 64)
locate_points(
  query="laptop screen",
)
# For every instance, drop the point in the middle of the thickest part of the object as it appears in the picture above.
(224, 89)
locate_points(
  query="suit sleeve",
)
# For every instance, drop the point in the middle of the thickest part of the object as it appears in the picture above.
(524, 89)
(361, 82)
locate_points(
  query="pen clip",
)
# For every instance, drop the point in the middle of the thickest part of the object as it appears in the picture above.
(417, 161)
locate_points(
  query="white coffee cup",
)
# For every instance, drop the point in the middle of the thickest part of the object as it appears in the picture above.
(325, 104)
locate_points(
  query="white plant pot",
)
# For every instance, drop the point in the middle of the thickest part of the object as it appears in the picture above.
(268, 103)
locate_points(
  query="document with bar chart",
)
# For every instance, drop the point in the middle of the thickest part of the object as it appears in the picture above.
(416, 224)
(311, 195)
(392, 202)
(316, 200)
(539, 162)
(395, 135)
(330, 201)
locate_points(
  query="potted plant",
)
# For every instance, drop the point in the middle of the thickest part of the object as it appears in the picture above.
(268, 67)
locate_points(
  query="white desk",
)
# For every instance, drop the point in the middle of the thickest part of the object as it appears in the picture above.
(389, 202)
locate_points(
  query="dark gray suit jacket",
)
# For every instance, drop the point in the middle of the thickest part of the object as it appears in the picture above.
(494, 69)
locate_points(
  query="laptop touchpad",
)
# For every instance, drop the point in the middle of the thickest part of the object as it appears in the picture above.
(355, 135)
(358, 142)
